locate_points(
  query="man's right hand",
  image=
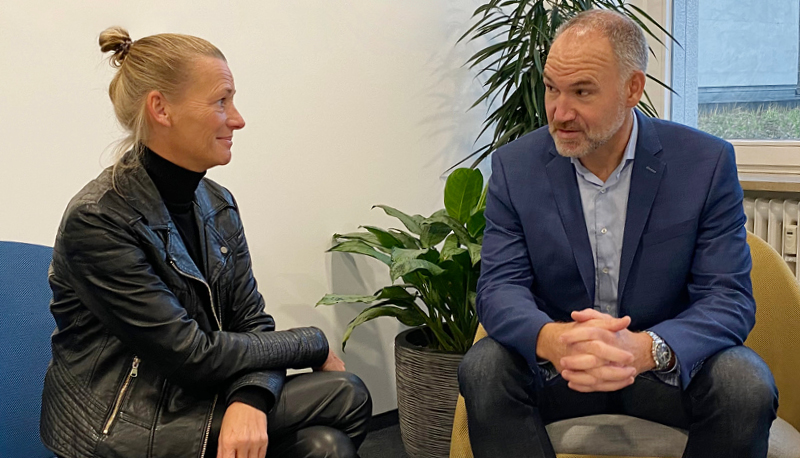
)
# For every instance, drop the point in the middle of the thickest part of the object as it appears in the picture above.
(598, 365)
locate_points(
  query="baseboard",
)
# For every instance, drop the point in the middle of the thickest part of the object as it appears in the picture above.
(383, 420)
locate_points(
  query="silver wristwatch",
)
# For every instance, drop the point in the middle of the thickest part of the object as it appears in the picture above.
(662, 354)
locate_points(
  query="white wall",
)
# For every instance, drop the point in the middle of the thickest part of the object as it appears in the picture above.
(347, 103)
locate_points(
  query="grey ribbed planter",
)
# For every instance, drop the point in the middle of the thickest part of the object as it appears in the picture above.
(427, 391)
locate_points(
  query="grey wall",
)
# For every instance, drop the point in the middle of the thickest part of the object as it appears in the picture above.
(748, 42)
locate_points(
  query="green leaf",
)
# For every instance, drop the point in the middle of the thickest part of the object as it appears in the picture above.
(412, 223)
(433, 233)
(400, 269)
(397, 292)
(409, 317)
(476, 224)
(462, 193)
(331, 299)
(408, 240)
(474, 253)
(450, 248)
(458, 229)
(363, 236)
(359, 247)
(386, 239)
(402, 254)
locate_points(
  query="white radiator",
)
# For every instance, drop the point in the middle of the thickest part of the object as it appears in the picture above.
(776, 221)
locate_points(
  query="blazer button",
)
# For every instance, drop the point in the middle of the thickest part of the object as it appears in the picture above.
(223, 250)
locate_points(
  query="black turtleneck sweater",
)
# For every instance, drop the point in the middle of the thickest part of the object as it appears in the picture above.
(177, 186)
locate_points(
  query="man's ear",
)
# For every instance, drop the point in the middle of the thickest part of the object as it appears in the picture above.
(157, 108)
(635, 88)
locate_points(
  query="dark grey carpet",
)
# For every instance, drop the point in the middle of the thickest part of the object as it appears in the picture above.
(383, 443)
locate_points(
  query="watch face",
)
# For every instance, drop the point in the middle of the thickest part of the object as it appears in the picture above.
(662, 355)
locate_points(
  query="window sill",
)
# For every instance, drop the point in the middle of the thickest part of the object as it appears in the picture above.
(773, 182)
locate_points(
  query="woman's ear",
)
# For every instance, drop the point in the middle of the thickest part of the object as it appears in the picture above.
(157, 108)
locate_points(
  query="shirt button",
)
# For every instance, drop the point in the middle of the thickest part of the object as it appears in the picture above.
(223, 250)
(603, 230)
(603, 191)
(605, 270)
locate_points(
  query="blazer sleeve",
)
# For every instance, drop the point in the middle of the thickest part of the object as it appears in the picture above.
(113, 278)
(722, 309)
(506, 305)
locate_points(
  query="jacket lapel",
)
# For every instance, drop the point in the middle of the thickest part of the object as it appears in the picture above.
(646, 176)
(564, 184)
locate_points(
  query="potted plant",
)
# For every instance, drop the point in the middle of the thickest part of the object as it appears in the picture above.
(433, 266)
(519, 34)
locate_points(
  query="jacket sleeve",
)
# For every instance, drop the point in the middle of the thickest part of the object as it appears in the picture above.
(246, 313)
(100, 255)
(722, 310)
(505, 304)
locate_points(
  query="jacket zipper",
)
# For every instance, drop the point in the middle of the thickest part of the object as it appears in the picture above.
(134, 372)
(210, 296)
(208, 428)
(219, 326)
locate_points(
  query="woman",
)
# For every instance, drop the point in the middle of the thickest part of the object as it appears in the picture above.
(162, 346)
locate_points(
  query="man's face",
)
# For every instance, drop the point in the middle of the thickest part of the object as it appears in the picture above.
(586, 99)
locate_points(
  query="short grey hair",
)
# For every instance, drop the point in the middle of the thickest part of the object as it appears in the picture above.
(626, 37)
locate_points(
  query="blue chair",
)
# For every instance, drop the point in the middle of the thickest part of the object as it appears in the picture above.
(25, 328)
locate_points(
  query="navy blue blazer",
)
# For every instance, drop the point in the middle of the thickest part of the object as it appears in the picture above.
(685, 264)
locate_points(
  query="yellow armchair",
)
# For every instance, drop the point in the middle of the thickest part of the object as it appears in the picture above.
(776, 338)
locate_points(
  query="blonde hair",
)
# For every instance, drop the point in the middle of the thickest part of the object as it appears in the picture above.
(161, 63)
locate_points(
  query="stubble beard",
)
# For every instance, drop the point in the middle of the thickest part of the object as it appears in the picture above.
(591, 141)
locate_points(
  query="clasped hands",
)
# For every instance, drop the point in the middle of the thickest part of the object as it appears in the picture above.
(596, 352)
(243, 433)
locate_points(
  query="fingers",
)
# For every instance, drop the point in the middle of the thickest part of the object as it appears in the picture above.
(605, 386)
(581, 362)
(589, 314)
(602, 374)
(602, 350)
(604, 320)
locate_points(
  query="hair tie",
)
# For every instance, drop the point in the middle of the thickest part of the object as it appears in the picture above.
(124, 48)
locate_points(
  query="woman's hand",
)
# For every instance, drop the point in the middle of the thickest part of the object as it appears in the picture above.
(332, 364)
(243, 433)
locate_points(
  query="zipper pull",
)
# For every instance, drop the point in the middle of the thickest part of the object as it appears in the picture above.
(135, 367)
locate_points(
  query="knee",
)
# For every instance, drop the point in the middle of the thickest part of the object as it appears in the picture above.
(740, 382)
(325, 442)
(355, 392)
(483, 367)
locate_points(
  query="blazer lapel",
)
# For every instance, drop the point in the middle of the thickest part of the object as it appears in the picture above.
(564, 184)
(646, 176)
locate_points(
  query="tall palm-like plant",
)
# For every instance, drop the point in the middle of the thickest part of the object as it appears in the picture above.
(520, 33)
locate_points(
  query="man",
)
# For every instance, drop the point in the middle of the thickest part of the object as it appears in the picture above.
(615, 270)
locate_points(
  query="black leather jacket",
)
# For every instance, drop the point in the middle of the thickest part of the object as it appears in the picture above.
(132, 374)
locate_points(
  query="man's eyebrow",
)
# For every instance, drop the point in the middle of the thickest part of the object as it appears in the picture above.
(581, 83)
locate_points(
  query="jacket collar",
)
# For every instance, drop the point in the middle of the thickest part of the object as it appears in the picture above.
(137, 188)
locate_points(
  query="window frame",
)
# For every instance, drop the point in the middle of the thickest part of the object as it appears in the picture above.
(766, 159)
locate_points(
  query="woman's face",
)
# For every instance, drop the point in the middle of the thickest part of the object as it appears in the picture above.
(203, 117)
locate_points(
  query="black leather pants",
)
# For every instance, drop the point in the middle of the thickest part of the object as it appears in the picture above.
(319, 414)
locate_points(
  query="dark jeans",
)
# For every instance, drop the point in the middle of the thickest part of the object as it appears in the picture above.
(319, 414)
(727, 408)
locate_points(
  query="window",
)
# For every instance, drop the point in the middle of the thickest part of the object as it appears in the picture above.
(737, 76)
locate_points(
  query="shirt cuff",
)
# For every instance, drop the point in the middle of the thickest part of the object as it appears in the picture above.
(254, 396)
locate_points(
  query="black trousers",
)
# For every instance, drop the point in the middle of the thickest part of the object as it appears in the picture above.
(727, 408)
(319, 414)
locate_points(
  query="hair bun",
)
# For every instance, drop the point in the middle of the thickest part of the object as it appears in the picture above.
(117, 40)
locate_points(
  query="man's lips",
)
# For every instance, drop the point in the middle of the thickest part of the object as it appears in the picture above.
(567, 134)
